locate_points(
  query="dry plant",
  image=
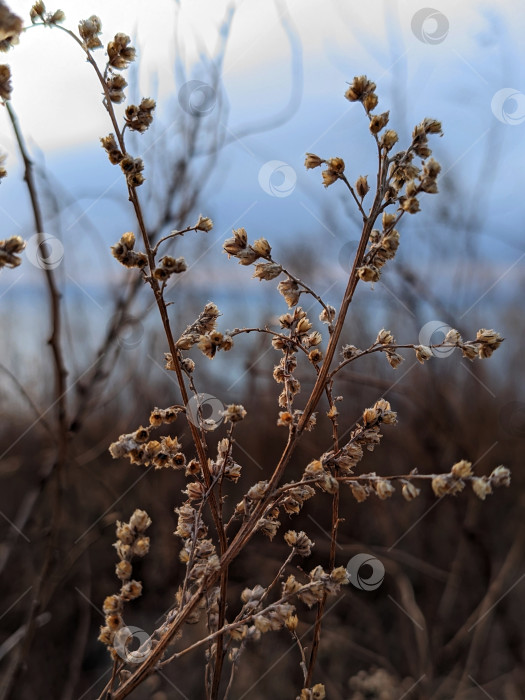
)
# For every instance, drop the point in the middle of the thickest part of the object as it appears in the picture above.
(212, 533)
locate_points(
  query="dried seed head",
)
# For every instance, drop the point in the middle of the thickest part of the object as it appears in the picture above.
(327, 315)
(9, 250)
(378, 122)
(5, 82)
(361, 186)
(383, 488)
(423, 353)
(500, 476)
(368, 273)
(11, 26)
(359, 492)
(89, 30)
(140, 521)
(300, 542)
(262, 247)
(290, 291)
(315, 356)
(462, 469)
(409, 491)
(234, 413)
(359, 88)
(481, 487)
(131, 590)
(204, 224)
(312, 161)
(267, 271)
(123, 570)
(389, 139)
(120, 53)
(139, 118)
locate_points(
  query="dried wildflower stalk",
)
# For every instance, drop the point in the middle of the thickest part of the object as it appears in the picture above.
(402, 177)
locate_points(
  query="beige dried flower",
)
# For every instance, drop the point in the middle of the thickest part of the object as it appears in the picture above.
(300, 542)
(139, 118)
(423, 353)
(234, 413)
(385, 337)
(116, 85)
(409, 491)
(488, 341)
(327, 315)
(378, 122)
(368, 273)
(262, 247)
(5, 82)
(481, 487)
(383, 488)
(316, 693)
(360, 88)
(312, 161)
(500, 476)
(290, 291)
(89, 30)
(11, 26)
(462, 469)
(120, 53)
(267, 271)
(109, 144)
(204, 224)
(361, 186)
(9, 251)
(389, 139)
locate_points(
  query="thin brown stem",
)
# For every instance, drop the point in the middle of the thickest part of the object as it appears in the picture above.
(60, 390)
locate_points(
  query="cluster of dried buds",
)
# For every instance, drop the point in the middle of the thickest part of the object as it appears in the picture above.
(140, 449)
(402, 181)
(124, 253)
(202, 332)
(38, 13)
(131, 542)
(5, 92)
(461, 472)
(486, 342)
(11, 26)
(9, 251)
(139, 118)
